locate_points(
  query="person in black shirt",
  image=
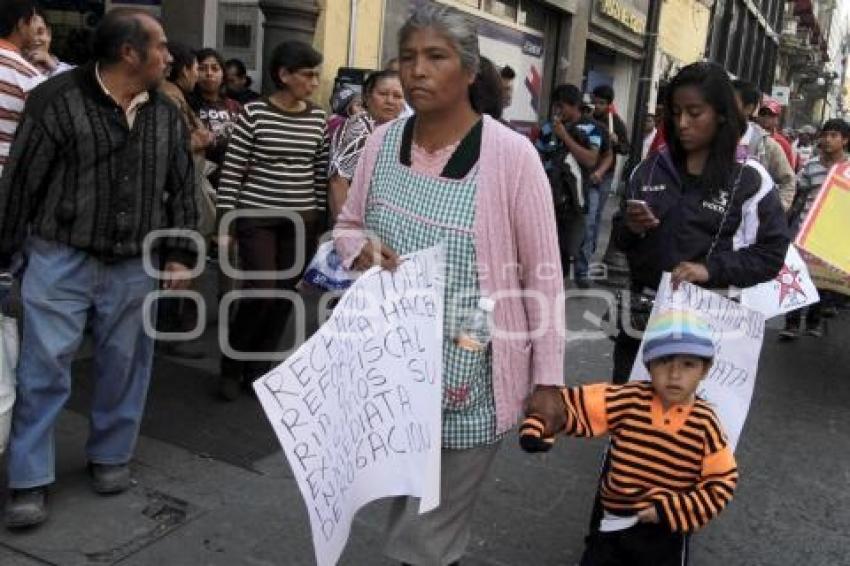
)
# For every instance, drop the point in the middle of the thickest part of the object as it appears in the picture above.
(100, 162)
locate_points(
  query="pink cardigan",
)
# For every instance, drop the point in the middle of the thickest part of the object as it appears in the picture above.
(518, 261)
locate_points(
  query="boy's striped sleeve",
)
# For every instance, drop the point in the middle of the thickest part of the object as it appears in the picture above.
(586, 410)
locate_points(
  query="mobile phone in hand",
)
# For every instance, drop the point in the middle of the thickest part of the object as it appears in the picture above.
(638, 205)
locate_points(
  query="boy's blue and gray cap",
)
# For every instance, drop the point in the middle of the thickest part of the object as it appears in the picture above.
(677, 332)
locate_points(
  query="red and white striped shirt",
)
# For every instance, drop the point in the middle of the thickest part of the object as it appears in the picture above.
(17, 78)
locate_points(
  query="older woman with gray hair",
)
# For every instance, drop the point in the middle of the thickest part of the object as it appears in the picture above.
(450, 176)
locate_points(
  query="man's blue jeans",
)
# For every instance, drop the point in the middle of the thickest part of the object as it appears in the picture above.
(597, 197)
(62, 288)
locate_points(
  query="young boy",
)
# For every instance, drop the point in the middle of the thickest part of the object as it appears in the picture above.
(832, 141)
(671, 468)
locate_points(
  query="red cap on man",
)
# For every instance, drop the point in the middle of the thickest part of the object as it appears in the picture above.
(772, 106)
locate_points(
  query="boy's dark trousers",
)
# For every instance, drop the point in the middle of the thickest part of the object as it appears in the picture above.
(641, 545)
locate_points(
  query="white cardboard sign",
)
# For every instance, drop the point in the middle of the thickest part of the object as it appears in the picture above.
(357, 409)
(738, 337)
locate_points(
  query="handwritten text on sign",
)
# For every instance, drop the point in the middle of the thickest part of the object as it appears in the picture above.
(357, 408)
(738, 333)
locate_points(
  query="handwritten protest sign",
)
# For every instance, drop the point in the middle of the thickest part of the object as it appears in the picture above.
(792, 289)
(825, 231)
(357, 408)
(738, 336)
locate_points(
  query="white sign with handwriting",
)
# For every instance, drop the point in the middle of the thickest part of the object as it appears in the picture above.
(357, 408)
(738, 337)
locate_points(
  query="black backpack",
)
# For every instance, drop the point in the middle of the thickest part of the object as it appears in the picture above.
(567, 180)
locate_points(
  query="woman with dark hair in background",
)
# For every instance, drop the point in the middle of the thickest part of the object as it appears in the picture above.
(238, 82)
(448, 175)
(486, 93)
(277, 162)
(217, 111)
(693, 208)
(383, 100)
(179, 86)
(177, 314)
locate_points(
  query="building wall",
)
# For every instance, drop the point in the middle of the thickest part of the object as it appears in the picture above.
(332, 39)
(743, 38)
(682, 34)
(683, 29)
(839, 50)
(184, 21)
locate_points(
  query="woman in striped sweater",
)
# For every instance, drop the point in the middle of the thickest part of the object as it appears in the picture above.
(671, 467)
(274, 173)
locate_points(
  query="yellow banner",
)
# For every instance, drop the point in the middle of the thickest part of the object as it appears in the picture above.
(826, 231)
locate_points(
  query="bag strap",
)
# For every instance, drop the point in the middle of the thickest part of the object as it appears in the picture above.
(726, 210)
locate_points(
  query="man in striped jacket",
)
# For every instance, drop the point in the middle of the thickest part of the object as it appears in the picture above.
(100, 162)
(17, 76)
(671, 468)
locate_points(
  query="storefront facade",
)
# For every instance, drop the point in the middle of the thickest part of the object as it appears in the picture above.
(682, 35)
(527, 35)
(615, 39)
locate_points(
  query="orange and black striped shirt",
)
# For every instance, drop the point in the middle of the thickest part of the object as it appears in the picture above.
(679, 460)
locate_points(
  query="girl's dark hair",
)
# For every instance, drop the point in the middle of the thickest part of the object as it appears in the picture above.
(293, 56)
(208, 52)
(485, 94)
(202, 54)
(374, 78)
(241, 70)
(182, 58)
(716, 89)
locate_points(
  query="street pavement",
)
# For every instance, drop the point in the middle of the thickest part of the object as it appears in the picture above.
(212, 488)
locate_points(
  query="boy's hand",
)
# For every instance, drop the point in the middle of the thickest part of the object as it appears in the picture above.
(648, 515)
(547, 402)
(545, 416)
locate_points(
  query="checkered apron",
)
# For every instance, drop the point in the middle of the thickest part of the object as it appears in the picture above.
(410, 211)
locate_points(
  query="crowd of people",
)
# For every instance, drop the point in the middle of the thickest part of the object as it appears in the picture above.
(153, 134)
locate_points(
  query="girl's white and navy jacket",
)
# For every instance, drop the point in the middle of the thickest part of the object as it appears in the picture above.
(747, 221)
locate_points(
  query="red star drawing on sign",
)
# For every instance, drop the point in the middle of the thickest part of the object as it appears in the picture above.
(789, 282)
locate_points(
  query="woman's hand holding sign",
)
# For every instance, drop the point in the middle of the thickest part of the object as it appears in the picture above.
(691, 272)
(374, 252)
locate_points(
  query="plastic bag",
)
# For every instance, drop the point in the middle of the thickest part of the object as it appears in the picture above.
(9, 305)
(326, 272)
(8, 363)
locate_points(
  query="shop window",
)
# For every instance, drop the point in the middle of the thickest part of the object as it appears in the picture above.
(237, 32)
(504, 9)
(532, 15)
(237, 35)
